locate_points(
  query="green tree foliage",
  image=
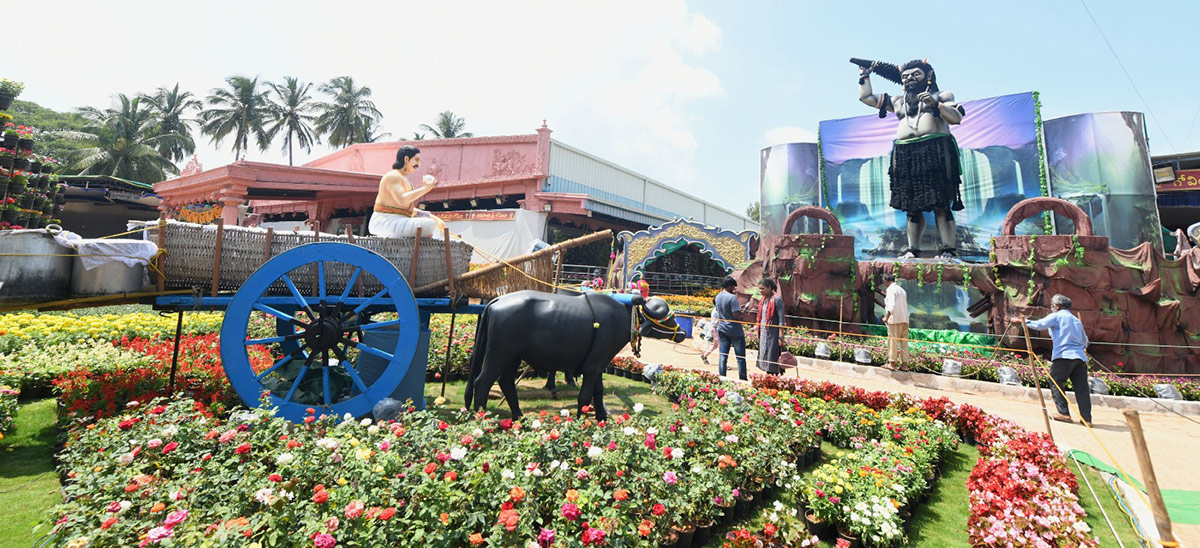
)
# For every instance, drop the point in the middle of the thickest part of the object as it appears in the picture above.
(52, 126)
(124, 142)
(171, 107)
(349, 116)
(752, 211)
(447, 126)
(238, 110)
(290, 113)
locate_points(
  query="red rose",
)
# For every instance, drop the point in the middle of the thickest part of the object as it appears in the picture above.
(242, 449)
(321, 497)
(169, 447)
(275, 478)
(108, 523)
(157, 410)
(387, 513)
(506, 424)
(658, 509)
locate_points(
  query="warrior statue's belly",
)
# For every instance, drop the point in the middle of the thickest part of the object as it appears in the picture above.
(925, 125)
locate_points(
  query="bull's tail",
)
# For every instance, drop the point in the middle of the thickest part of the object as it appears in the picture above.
(477, 357)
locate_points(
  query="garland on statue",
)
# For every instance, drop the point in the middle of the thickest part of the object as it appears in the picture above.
(1047, 219)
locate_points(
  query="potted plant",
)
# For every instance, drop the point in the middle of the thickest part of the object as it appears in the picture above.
(7, 155)
(21, 159)
(17, 183)
(25, 138)
(9, 210)
(35, 163)
(25, 200)
(10, 135)
(9, 90)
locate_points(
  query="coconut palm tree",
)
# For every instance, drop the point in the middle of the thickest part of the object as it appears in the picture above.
(127, 138)
(349, 115)
(290, 112)
(171, 107)
(239, 110)
(447, 126)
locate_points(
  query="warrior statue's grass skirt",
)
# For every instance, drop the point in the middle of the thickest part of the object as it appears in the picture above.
(925, 174)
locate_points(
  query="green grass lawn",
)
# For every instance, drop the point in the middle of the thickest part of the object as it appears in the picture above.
(1095, 519)
(28, 483)
(29, 486)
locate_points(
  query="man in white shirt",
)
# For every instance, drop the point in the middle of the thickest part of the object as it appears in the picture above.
(895, 305)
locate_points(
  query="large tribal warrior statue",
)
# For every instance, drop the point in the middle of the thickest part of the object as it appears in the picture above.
(925, 172)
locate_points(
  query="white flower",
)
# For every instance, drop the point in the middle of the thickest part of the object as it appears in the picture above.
(554, 464)
(373, 430)
(125, 458)
(458, 453)
(284, 493)
(638, 407)
(686, 429)
(284, 459)
(565, 412)
(677, 453)
(778, 506)
(170, 431)
(132, 403)
(124, 506)
(629, 431)
(477, 433)
(732, 438)
(652, 430)
(564, 465)
(773, 517)
(507, 474)
(347, 417)
(327, 443)
(536, 424)
(594, 451)
(265, 495)
(365, 422)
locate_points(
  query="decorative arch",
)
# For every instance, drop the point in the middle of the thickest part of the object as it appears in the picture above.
(729, 249)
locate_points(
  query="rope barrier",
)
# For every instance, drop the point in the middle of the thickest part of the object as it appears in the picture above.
(1074, 407)
(1096, 497)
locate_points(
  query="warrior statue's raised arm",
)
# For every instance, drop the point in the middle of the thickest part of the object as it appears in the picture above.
(925, 174)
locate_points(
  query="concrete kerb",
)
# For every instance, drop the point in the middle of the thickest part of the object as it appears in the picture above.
(967, 386)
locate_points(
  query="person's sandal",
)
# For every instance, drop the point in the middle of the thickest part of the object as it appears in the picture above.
(1060, 418)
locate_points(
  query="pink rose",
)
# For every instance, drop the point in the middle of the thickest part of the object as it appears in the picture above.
(324, 540)
(354, 510)
(175, 518)
(670, 477)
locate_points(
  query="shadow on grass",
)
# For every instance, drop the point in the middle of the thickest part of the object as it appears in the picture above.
(28, 484)
(620, 397)
(28, 448)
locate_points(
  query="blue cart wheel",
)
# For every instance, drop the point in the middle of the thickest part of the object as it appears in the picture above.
(307, 290)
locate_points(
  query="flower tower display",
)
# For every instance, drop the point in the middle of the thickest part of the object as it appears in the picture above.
(30, 195)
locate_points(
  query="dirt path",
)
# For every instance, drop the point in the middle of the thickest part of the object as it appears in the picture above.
(1174, 442)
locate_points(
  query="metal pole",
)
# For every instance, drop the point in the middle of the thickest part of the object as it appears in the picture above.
(1161, 518)
(1037, 384)
(175, 358)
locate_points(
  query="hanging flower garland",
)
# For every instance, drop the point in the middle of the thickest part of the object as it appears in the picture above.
(201, 214)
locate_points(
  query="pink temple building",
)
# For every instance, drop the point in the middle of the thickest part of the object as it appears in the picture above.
(537, 184)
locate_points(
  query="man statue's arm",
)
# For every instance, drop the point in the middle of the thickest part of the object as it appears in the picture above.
(865, 93)
(949, 110)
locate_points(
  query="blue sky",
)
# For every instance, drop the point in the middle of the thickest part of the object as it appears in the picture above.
(684, 92)
(786, 65)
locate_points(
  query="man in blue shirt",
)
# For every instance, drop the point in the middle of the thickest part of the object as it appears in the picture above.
(1069, 359)
(730, 333)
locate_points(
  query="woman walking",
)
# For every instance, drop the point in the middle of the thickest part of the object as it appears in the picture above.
(770, 317)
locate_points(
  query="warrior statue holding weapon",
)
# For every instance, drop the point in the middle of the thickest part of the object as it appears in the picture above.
(925, 172)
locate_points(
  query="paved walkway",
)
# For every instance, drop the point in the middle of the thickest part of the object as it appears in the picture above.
(1174, 442)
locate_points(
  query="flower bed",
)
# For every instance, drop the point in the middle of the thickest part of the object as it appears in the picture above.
(8, 407)
(460, 350)
(698, 305)
(25, 330)
(1021, 491)
(144, 373)
(163, 471)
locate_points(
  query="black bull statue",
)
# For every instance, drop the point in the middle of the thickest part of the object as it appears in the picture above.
(575, 334)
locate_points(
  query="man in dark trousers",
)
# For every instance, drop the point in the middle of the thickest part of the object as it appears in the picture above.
(730, 333)
(1069, 359)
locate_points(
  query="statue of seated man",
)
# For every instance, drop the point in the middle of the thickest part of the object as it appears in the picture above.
(396, 213)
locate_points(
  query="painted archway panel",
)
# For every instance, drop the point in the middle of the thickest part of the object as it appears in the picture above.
(729, 249)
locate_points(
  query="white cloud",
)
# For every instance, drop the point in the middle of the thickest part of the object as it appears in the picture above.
(618, 79)
(788, 134)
